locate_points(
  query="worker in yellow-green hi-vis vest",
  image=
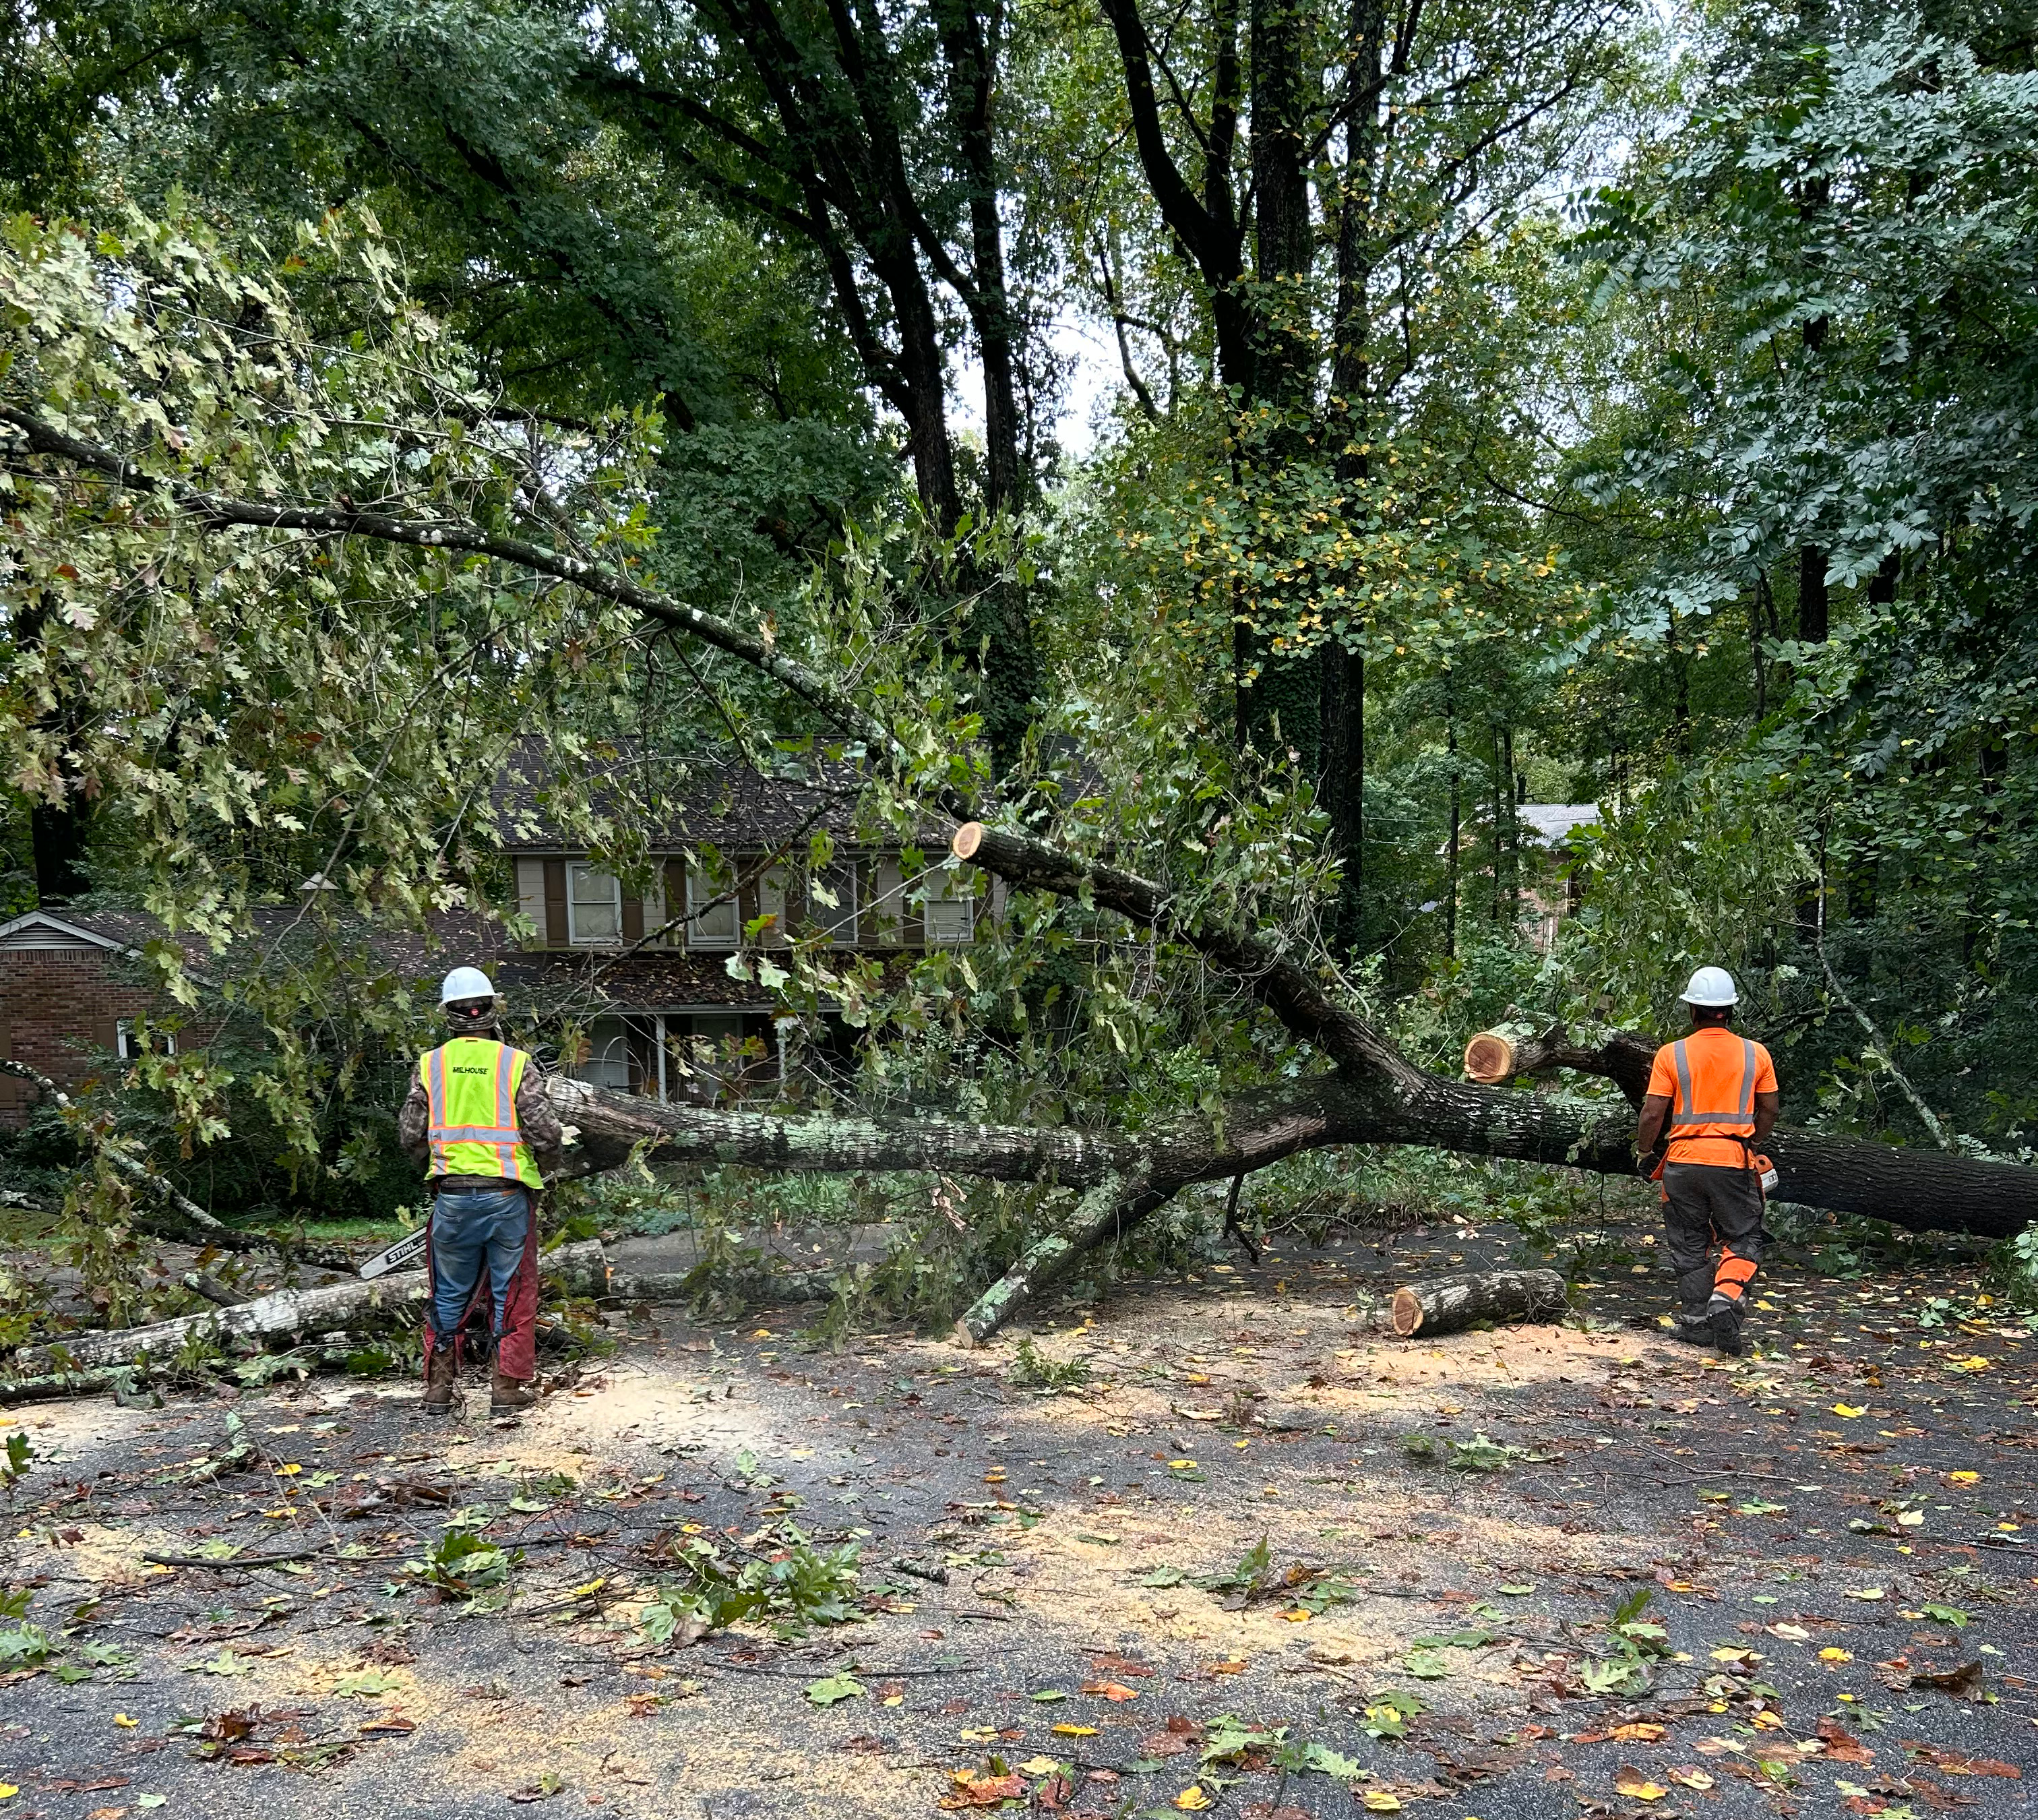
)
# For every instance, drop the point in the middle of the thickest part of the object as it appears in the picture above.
(478, 1117)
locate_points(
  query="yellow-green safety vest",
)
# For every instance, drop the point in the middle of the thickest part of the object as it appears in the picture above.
(472, 1084)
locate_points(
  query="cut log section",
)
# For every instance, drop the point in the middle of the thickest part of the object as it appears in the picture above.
(1494, 1057)
(1450, 1304)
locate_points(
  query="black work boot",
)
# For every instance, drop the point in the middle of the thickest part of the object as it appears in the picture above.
(1693, 1329)
(1726, 1328)
(439, 1376)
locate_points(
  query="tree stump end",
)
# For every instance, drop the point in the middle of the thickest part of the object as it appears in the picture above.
(1406, 1312)
(1489, 1059)
(966, 840)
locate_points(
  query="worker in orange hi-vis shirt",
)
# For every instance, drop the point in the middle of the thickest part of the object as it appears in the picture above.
(1714, 1097)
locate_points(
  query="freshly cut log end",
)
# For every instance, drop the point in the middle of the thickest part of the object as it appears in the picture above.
(967, 839)
(1489, 1059)
(1449, 1304)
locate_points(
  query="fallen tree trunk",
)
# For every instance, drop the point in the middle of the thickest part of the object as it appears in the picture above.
(1924, 1191)
(583, 1268)
(1493, 1058)
(1450, 1304)
(1918, 1189)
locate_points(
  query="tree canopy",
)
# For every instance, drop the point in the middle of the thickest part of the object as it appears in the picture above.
(1490, 407)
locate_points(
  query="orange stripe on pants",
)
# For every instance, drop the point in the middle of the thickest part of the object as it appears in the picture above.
(1734, 1275)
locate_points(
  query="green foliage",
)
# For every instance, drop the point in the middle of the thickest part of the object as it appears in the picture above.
(22, 1645)
(1478, 1455)
(793, 1586)
(462, 1563)
(14, 1467)
(1036, 1370)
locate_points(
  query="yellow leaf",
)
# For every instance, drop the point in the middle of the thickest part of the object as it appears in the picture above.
(1379, 1801)
(1767, 1721)
(1192, 1799)
(1848, 1410)
(1637, 1731)
(762, 1333)
(287, 1471)
(1836, 1655)
(1964, 1478)
(1181, 1465)
(1633, 1784)
(1869, 1593)
(1038, 1766)
(1691, 1778)
(126, 1724)
(1075, 1731)
(8, 1791)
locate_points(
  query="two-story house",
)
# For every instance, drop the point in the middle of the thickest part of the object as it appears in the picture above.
(648, 968)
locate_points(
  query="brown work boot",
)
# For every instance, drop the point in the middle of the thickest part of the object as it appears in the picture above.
(507, 1396)
(439, 1375)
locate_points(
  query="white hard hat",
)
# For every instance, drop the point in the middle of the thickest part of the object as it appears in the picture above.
(1712, 986)
(465, 983)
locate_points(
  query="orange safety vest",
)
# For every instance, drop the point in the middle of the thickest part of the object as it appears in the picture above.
(472, 1085)
(1712, 1112)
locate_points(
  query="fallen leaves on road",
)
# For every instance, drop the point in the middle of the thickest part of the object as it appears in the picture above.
(975, 1789)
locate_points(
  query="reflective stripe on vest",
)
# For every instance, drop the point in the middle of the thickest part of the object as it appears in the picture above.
(1738, 1121)
(473, 1111)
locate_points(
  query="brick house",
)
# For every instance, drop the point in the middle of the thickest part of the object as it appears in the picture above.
(72, 992)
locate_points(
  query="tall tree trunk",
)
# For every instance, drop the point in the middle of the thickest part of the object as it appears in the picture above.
(1513, 905)
(1342, 793)
(1814, 622)
(1348, 425)
(1756, 633)
(1450, 847)
(1499, 823)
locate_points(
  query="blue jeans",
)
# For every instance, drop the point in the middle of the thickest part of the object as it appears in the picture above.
(469, 1229)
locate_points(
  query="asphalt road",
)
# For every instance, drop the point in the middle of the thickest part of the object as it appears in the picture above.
(1812, 1532)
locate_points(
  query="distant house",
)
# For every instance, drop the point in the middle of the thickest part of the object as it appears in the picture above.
(1552, 888)
(74, 997)
(666, 1017)
(643, 975)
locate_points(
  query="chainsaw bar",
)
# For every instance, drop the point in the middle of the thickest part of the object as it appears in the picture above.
(408, 1250)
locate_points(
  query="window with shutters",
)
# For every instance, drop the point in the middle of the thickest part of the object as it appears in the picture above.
(130, 1042)
(831, 902)
(884, 925)
(713, 917)
(594, 905)
(949, 910)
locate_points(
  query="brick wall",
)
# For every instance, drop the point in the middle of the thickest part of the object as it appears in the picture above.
(58, 1006)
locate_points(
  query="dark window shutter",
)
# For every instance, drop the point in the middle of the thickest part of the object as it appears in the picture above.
(633, 918)
(555, 903)
(676, 900)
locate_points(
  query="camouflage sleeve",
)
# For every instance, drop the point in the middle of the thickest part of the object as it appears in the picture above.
(414, 1124)
(537, 1118)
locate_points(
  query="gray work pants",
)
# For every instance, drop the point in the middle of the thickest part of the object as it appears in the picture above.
(1712, 1205)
